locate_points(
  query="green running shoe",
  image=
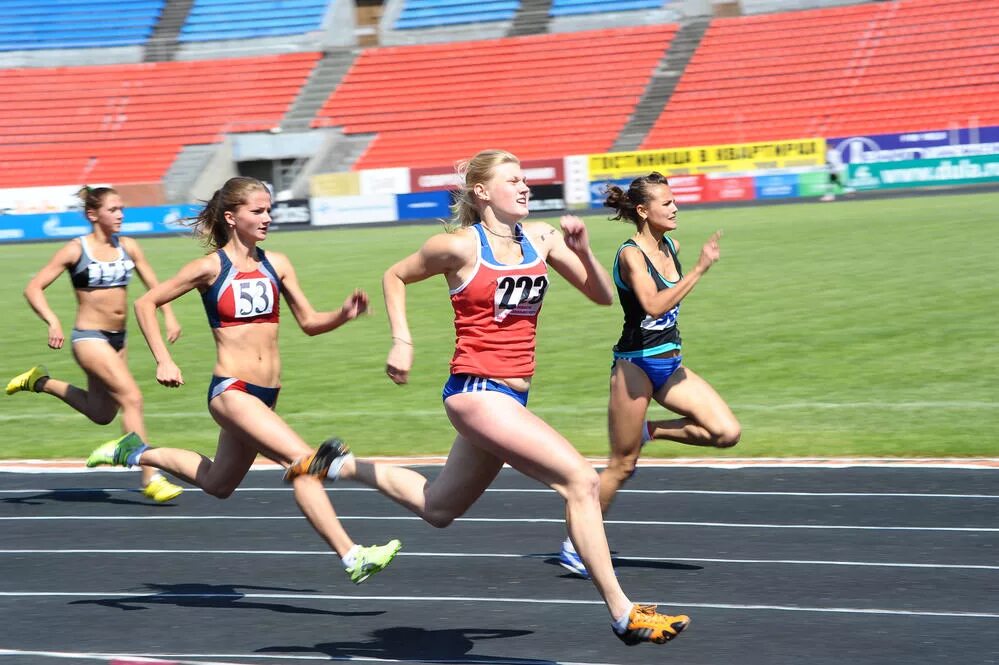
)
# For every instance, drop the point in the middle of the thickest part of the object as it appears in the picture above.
(117, 452)
(370, 560)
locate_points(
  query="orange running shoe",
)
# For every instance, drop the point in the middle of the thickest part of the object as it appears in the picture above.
(331, 453)
(647, 625)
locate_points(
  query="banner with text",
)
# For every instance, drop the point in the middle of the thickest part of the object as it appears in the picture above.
(707, 159)
(138, 221)
(337, 210)
(971, 170)
(915, 145)
(536, 171)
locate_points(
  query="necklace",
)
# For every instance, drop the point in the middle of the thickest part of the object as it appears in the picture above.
(502, 235)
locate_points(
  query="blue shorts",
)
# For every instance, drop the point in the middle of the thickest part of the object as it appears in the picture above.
(657, 369)
(466, 383)
(116, 338)
(220, 384)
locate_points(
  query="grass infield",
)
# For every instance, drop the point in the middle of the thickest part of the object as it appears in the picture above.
(858, 328)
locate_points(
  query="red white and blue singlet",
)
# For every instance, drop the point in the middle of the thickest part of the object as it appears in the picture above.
(496, 312)
(237, 298)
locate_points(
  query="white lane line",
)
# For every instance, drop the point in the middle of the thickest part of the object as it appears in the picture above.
(513, 490)
(182, 658)
(495, 520)
(156, 597)
(495, 555)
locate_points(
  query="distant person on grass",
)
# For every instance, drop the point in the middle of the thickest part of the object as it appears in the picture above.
(496, 269)
(241, 288)
(647, 362)
(100, 265)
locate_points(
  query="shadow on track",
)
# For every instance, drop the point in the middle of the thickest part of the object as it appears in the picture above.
(220, 596)
(406, 643)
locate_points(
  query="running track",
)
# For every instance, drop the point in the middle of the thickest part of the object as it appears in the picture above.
(877, 565)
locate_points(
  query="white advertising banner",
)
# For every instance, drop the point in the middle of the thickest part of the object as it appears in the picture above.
(385, 181)
(336, 210)
(577, 181)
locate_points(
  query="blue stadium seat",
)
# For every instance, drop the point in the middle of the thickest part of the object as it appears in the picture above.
(52, 24)
(571, 7)
(434, 13)
(240, 19)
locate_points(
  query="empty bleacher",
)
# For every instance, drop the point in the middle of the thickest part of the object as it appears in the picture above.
(211, 20)
(863, 69)
(570, 7)
(57, 24)
(437, 13)
(126, 123)
(538, 96)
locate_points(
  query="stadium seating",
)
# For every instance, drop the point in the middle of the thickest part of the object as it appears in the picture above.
(862, 69)
(538, 96)
(242, 19)
(436, 13)
(569, 7)
(55, 24)
(126, 123)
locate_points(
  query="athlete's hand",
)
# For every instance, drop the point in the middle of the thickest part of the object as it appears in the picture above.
(173, 329)
(574, 232)
(711, 252)
(56, 337)
(168, 374)
(400, 360)
(355, 305)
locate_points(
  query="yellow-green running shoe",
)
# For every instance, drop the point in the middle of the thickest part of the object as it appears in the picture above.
(122, 451)
(161, 490)
(370, 560)
(27, 380)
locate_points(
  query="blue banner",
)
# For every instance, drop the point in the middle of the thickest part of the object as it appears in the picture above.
(424, 205)
(782, 186)
(914, 145)
(138, 221)
(598, 190)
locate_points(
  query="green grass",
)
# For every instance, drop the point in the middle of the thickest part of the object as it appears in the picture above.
(854, 328)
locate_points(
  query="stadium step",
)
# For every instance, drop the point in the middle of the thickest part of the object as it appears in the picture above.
(662, 84)
(325, 76)
(531, 19)
(162, 44)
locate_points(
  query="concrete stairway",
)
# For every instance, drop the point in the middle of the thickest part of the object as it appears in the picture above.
(162, 44)
(531, 19)
(662, 84)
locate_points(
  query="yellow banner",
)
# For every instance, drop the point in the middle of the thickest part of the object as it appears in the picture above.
(709, 159)
(335, 184)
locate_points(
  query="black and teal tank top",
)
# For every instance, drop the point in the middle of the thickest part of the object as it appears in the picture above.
(643, 335)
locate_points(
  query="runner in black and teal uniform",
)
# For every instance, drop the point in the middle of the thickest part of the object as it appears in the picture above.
(647, 360)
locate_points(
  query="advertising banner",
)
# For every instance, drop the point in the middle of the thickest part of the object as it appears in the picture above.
(335, 184)
(292, 211)
(740, 188)
(708, 159)
(536, 171)
(915, 145)
(776, 186)
(38, 200)
(384, 181)
(424, 205)
(138, 221)
(687, 188)
(547, 197)
(576, 170)
(336, 210)
(813, 184)
(925, 172)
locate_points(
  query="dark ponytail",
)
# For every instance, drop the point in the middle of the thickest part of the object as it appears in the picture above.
(639, 193)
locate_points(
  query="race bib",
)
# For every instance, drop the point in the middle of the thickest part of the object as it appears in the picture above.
(252, 297)
(520, 295)
(664, 322)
